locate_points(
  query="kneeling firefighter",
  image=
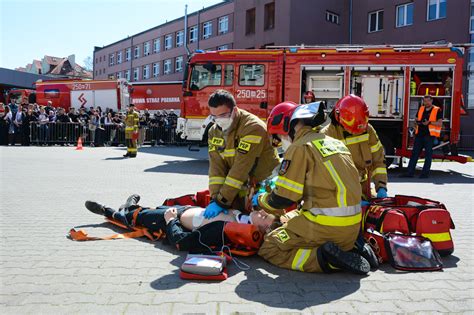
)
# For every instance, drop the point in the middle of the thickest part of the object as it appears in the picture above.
(318, 173)
(349, 123)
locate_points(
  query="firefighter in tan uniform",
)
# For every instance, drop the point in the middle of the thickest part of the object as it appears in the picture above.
(349, 123)
(131, 131)
(240, 154)
(318, 173)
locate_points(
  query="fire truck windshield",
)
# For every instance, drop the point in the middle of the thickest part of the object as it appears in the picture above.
(203, 75)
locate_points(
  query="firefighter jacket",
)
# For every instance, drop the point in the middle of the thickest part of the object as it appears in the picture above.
(131, 124)
(244, 152)
(367, 153)
(319, 171)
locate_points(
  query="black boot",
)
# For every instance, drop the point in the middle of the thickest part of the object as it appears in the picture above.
(95, 207)
(126, 155)
(364, 249)
(338, 258)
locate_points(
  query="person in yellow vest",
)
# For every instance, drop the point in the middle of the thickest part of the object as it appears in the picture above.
(350, 124)
(131, 131)
(318, 173)
(240, 153)
(428, 128)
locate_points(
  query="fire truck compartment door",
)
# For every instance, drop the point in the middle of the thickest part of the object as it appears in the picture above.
(106, 98)
(82, 97)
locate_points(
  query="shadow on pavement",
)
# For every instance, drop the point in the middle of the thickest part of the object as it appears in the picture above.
(437, 177)
(193, 167)
(180, 151)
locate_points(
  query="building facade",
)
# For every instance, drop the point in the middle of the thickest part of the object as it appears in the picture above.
(159, 54)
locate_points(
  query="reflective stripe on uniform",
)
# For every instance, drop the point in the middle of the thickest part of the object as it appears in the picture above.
(337, 212)
(379, 170)
(129, 128)
(300, 259)
(289, 184)
(252, 139)
(232, 182)
(132, 149)
(437, 237)
(333, 221)
(228, 153)
(341, 188)
(216, 180)
(356, 139)
(376, 147)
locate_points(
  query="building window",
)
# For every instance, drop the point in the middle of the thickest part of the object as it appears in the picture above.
(167, 66)
(119, 75)
(136, 52)
(471, 28)
(269, 17)
(146, 72)
(146, 49)
(127, 75)
(223, 47)
(119, 57)
(156, 45)
(179, 64)
(111, 77)
(127, 54)
(332, 17)
(156, 69)
(375, 21)
(179, 38)
(135, 74)
(223, 24)
(436, 9)
(250, 22)
(252, 75)
(207, 30)
(193, 34)
(111, 59)
(168, 42)
(405, 14)
(96, 60)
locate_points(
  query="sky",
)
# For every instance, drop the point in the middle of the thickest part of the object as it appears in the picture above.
(34, 28)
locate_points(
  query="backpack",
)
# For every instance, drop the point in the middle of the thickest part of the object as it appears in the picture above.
(408, 215)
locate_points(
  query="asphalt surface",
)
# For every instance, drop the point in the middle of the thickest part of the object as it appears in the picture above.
(42, 195)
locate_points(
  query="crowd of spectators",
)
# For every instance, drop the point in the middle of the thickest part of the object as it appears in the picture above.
(45, 125)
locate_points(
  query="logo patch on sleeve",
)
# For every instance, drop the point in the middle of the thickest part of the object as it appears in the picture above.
(244, 147)
(217, 141)
(282, 236)
(284, 167)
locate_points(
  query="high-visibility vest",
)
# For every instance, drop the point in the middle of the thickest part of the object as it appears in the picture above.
(435, 131)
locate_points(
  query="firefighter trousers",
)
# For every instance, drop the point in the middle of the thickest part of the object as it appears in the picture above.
(131, 147)
(295, 244)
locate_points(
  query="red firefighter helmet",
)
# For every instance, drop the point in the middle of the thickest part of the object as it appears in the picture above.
(309, 95)
(278, 122)
(352, 113)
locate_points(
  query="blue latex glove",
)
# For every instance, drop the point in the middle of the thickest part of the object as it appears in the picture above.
(382, 193)
(213, 209)
(364, 203)
(255, 199)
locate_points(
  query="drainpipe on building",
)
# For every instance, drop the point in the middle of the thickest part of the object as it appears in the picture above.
(199, 29)
(131, 60)
(350, 22)
(186, 30)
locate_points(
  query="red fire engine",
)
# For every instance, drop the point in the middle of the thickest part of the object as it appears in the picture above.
(391, 79)
(88, 93)
(157, 95)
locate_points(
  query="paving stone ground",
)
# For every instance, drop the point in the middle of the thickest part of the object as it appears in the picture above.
(42, 194)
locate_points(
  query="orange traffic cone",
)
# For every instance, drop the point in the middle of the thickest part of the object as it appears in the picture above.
(79, 144)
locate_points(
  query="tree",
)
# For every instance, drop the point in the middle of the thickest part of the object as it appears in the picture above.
(88, 64)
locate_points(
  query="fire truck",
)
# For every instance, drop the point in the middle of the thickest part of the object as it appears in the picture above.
(157, 95)
(113, 94)
(391, 79)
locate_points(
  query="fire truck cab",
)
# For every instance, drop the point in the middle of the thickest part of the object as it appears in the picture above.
(391, 79)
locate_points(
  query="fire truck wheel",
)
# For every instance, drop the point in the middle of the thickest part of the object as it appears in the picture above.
(388, 148)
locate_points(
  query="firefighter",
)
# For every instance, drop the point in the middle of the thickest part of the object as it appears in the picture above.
(349, 123)
(318, 173)
(131, 131)
(240, 154)
(309, 97)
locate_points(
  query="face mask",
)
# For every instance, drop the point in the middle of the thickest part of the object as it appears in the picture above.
(285, 143)
(224, 123)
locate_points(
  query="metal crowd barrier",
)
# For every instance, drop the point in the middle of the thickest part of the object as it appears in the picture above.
(110, 135)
